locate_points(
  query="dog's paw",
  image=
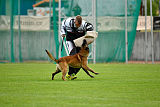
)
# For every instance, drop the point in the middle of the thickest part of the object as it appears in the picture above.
(92, 76)
(96, 73)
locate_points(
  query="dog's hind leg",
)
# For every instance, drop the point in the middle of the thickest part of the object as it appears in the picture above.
(63, 66)
(64, 72)
(57, 71)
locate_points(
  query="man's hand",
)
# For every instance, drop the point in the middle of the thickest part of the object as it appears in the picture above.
(63, 35)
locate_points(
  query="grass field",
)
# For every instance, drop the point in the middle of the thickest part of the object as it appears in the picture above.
(117, 85)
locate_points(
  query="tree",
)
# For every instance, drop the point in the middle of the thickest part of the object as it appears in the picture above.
(155, 7)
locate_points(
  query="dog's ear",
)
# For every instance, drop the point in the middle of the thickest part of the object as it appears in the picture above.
(84, 43)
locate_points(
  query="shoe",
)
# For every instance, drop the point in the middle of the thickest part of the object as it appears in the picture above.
(71, 77)
(68, 77)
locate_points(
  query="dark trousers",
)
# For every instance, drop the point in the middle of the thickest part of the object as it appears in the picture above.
(74, 70)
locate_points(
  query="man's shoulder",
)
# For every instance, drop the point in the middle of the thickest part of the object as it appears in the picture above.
(69, 19)
(84, 22)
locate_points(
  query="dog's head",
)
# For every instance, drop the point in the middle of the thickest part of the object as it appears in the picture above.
(84, 49)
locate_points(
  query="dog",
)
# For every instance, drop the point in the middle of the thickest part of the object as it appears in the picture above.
(78, 60)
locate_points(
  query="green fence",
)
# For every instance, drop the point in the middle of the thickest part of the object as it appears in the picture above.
(26, 41)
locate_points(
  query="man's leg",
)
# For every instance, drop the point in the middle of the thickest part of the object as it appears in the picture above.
(76, 70)
(72, 70)
(72, 50)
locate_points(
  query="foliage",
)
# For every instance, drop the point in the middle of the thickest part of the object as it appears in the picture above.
(155, 7)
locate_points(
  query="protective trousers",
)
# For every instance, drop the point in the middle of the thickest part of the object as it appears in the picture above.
(73, 50)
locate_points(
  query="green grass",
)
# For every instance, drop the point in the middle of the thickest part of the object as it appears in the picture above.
(117, 85)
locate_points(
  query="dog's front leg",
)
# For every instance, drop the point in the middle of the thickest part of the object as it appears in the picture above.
(87, 68)
(87, 72)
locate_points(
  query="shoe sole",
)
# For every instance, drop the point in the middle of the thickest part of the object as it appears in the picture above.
(73, 78)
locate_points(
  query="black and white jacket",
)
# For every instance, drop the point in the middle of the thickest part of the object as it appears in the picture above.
(69, 29)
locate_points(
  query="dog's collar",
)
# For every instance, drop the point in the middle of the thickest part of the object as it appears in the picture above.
(82, 55)
(79, 57)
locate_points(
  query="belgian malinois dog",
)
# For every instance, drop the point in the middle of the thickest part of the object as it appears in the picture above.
(78, 60)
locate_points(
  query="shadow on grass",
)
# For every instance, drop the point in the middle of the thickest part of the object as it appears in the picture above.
(60, 80)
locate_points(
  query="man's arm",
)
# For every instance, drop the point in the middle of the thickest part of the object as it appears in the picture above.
(63, 31)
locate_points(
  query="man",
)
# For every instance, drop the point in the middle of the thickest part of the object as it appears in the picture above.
(73, 28)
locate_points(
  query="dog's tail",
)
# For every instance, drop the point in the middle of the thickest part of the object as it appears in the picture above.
(50, 55)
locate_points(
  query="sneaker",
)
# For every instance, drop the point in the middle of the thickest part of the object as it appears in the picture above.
(71, 77)
(68, 77)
